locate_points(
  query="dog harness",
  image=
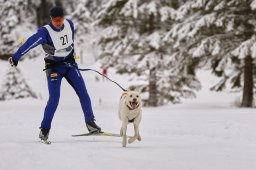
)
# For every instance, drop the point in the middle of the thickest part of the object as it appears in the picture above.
(131, 121)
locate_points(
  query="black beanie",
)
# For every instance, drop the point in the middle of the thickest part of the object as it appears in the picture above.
(56, 12)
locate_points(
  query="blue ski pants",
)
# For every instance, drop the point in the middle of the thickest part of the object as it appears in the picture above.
(75, 79)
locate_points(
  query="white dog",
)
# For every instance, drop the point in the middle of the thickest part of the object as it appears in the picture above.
(130, 112)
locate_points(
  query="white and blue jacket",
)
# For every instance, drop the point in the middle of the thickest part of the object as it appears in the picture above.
(55, 42)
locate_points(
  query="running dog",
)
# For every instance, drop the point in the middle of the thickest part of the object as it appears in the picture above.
(130, 112)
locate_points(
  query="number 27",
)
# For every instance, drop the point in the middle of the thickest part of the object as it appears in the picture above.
(64, 39)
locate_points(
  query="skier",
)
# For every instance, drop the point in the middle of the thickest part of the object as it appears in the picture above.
(57, 40)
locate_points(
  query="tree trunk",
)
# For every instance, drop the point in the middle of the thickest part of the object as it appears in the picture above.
(58, 3)
(152, 101)
(43, 13)
(247, 100)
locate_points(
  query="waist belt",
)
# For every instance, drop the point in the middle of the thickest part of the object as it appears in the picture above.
(50, 64)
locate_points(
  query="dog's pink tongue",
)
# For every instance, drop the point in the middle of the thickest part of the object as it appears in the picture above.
(133, 104)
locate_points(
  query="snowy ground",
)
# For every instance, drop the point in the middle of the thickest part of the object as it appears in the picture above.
(206, 133)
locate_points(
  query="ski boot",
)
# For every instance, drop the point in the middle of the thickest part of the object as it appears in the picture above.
(43, 135)
(92, 127)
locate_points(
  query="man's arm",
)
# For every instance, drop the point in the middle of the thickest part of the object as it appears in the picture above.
(33, 41)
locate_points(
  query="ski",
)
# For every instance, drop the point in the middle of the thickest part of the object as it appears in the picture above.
(98, 134)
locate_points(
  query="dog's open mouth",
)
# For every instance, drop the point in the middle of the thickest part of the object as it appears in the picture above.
(134, 104)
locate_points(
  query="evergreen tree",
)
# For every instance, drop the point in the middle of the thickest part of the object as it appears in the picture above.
(220, 34)
(82, 13)
(81, 17)
(17, 20)
(15, 86)
(94, 6)
(132, 43)
(43, 11)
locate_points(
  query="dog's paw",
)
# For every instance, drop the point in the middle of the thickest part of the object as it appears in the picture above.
(139, 138)
(132, 139)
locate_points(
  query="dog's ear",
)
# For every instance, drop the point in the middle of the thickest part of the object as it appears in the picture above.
(135, 88)
(132, 88)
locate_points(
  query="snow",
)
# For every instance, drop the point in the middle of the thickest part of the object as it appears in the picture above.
(204, 133)
(253, 4)
(220, 6)
(246, 48)
(130, 9)
(154, 40)
(152, 7)
(166, 13)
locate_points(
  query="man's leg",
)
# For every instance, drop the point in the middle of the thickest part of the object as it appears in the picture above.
(76, 80)
(54, 83)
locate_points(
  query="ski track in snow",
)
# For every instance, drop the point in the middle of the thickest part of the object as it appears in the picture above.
(206, 133)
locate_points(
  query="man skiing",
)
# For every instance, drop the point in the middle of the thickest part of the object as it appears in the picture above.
(57, 40)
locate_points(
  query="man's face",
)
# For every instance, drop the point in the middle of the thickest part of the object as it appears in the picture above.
(57, 22)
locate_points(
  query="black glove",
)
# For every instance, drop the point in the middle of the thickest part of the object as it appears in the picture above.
(13, 62)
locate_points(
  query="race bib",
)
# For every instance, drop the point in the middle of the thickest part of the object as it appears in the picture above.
(62, 40)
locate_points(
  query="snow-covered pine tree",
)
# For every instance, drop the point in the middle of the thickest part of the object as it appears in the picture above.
(94, 6)
(18, 19)
(131, 42)
(222, 34)
(15, 86)
(84, 6)
(82, 13)
(81, 17)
